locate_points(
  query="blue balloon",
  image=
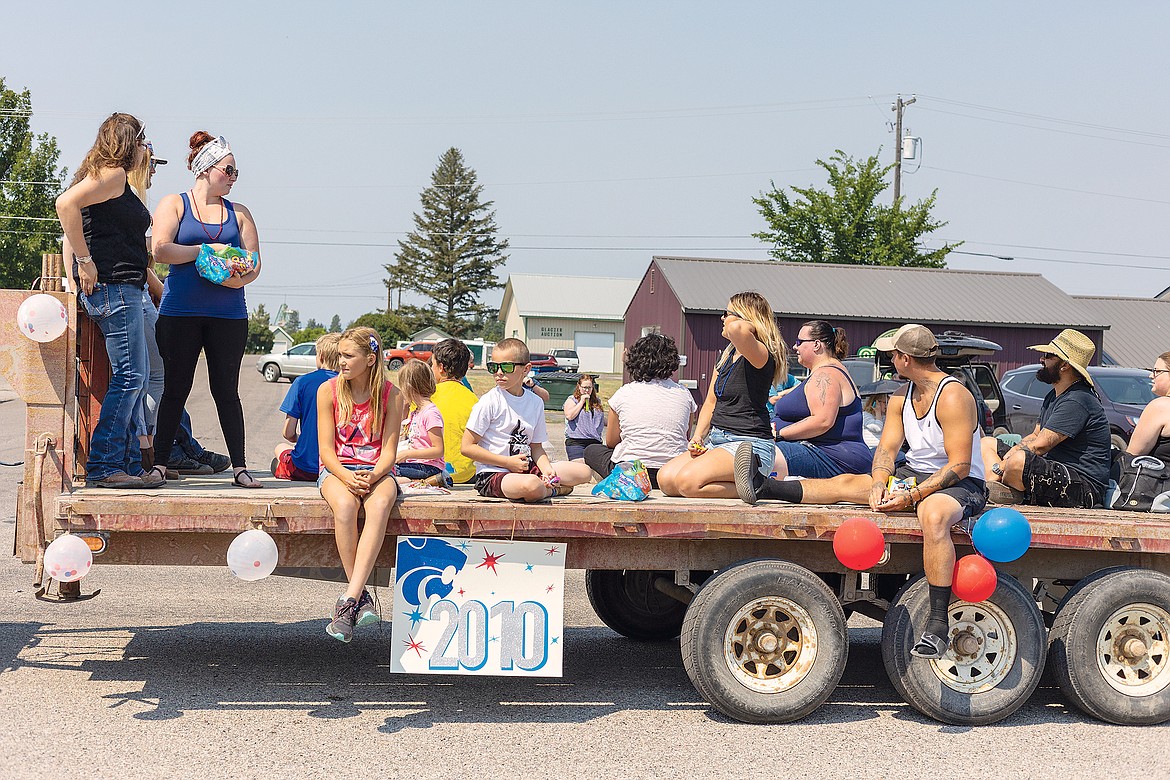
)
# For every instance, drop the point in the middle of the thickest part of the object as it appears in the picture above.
(1002, 534)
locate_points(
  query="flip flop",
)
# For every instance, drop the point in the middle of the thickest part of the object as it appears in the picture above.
(252, 483)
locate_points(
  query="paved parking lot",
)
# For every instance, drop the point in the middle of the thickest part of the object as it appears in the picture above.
(186, 672)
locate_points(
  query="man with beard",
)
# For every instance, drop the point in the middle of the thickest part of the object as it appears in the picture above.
(941, 481)
(1065, 461)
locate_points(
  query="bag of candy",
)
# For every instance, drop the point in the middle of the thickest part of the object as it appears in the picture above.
(629, 481)
(216, 267)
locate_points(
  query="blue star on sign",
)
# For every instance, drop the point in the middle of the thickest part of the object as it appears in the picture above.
(528, 567)
(414, 617)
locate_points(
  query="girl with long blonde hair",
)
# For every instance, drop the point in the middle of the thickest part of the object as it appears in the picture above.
(736, 406)
(358, 418)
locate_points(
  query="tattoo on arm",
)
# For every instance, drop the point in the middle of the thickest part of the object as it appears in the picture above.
(882, 461)
(941, 480)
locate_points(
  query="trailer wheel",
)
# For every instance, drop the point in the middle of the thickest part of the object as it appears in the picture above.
(628, 602)
(1110, 646)
(994, 663)
(765, 641)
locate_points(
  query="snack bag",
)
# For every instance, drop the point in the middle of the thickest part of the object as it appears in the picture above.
(629, 481)
(895, 485)
(216, 267)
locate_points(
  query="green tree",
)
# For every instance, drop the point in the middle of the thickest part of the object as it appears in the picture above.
(487, 327)
(335, 324)
(391, 328)
(846, 224)
(451, 256)
(312, 323)
(308, 333)
(292, 321)
(29, 184)
(259, 332)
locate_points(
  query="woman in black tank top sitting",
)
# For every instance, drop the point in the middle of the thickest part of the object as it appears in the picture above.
(105, 225)
(1152, 434)
(735, 409)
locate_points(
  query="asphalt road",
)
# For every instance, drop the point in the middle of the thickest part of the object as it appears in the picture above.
(186, 672)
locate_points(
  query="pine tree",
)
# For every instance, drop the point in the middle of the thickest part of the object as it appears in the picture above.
(292, 321)
(260, 336)
(29, 184)
(335, 324)
(451, 256)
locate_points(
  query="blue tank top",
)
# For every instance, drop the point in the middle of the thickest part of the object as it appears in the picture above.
(186, 293)
(843, 443)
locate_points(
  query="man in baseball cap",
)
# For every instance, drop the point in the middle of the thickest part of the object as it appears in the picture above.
(941, 480)
(1065, 460)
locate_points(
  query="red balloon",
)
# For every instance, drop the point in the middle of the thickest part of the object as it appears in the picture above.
(975, 578)
(859, 543)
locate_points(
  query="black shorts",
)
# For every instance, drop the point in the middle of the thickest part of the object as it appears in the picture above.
(971, 493)
(1052, 483)
(489, 483)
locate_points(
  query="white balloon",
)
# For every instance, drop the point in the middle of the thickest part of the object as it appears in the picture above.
(42, 317)
(68, 558)
(252, 555)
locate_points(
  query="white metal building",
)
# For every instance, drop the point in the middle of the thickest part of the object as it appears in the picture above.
(585, 313)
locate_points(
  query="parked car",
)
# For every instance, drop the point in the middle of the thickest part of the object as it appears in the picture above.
(291, 363)
(959, 354)
(567, 359)
(542, 362)
(1124, 392)
(419, 350)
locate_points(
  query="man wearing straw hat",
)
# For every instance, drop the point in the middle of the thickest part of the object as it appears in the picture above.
(1065, 461)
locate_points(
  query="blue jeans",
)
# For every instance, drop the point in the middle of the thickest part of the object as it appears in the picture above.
(154, 377)
(113, 447)
(807, 460)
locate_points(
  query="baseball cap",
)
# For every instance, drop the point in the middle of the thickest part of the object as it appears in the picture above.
(913, 340)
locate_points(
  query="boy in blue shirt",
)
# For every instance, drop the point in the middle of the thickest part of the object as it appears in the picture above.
(297, 458)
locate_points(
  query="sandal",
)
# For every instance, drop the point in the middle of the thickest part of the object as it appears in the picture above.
(930, 646)
(250, 483)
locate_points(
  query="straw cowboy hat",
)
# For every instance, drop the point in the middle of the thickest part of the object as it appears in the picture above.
(1074, 348)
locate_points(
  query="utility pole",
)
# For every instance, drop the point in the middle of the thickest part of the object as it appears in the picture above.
(898, 108)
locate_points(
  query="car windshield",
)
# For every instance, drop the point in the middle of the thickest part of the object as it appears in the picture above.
(1134, 390)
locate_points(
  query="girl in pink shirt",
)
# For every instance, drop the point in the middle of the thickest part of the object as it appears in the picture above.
(420, 456)
(357, 435)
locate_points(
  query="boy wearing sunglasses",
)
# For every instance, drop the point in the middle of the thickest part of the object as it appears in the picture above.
(506, 436)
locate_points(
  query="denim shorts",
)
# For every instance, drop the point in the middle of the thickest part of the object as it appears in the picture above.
(765, 449)
(807, 460)
(416, 470)
(324, 475)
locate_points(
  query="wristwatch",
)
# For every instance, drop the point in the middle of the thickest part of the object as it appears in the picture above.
(997, 468)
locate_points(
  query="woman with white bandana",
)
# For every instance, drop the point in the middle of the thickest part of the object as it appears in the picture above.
(197, 314)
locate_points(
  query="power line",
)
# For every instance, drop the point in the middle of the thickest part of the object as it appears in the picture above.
(1050, 186)
(1046, 129)
(1044, 118)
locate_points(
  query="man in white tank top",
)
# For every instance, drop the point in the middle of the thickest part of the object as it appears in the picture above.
(940, 424)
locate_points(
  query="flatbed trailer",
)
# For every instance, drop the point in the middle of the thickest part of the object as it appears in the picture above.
(755, 595)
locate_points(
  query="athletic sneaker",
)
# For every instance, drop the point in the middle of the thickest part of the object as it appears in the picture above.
(930, 647)
(184, 465)
(217, 462)
(341, 626)
(366, 614)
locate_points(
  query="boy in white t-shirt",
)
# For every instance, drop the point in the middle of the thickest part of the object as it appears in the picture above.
(505, 436)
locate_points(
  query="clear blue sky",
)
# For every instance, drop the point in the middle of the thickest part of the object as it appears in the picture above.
(608, 132)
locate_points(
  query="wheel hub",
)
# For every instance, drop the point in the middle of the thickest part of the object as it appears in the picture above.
(770, 644)
(982, 648)
(1133, 649)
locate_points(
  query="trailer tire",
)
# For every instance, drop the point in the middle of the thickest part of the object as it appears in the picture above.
(627, 601)
(765, 641)
(1094, 668)
(1005, 637)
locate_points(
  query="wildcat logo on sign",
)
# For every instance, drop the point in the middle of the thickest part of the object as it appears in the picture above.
(478, 606)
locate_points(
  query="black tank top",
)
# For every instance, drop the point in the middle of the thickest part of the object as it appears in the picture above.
(115, 231)
(1161, 449)
(741, 398)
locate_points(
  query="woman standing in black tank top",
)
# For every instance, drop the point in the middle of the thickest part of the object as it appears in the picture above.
(1151, 436)
(105, 224)
(735, 409)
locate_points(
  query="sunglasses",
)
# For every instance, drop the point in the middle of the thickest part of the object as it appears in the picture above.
(230, 171)
(798, 342)
(729, 313)
(1156, 371)
(506, 368)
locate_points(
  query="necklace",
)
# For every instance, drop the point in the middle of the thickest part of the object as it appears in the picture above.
(199, 219)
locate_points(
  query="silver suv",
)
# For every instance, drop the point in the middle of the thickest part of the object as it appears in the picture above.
(294, 362)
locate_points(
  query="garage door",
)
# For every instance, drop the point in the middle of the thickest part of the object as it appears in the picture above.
(595, 351)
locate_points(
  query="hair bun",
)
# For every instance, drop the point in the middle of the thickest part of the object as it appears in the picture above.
(199, 139)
